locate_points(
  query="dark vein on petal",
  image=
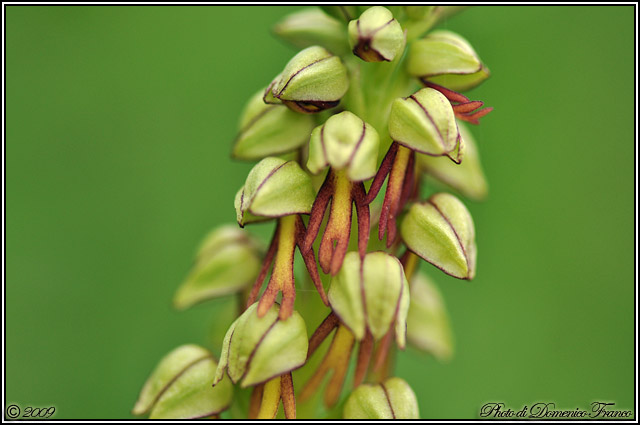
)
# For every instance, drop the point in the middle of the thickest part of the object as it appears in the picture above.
(386, 394)
(253, 352)
(270, 107)
(358, 143)
(380, 27)
(464, 251)
(262, 183)
(175, 378)
(324, 147)
(438, 74)
(297, 72)
(430, 119)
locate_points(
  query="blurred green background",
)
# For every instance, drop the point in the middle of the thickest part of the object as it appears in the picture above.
(119, 129)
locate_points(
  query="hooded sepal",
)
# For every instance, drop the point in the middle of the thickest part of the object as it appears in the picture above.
(312, 81)
(391, 399)
(267, 130)
(257, 349)
(274, 188)
(180, 387)
(441, 231)
(228, 261)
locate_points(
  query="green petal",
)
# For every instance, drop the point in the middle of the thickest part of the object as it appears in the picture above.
(248, 332)
(401, 316)
(447, 59)
(383, 279)
(224, 356)
(368, 402)
(311, 27)
(192, 396)
(376, 36)
(227, 262)
(345, 141)
(424, 122)
(462, 82)
(274, 188)
(402, 399)
(467, 177)
(169, 367)
(441, 231)
(314, 74)
(345, 295)
(428, 325)
(270, 130)
(282, 349)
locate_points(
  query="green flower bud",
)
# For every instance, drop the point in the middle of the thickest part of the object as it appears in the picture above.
(392, 399)
(376, 36)
(440, 230)
(270, 130)
(257, 349)
(312, 81)
(447, 59)
(345, 141)
(427, 322)
(228, 260)
(274, 188)
(466, 177)
(371, 294)
(180, 387)
(417, 13)
(344, 13)
(312, 27)
(425, 122)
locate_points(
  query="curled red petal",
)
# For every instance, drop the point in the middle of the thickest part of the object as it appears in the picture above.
(468, 106)
(268, 259)
(364, 217)
(453, 96)
(310, 261)
(385, 168)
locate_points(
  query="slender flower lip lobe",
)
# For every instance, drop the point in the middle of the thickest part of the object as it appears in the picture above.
(464, 108)
(289, 233)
